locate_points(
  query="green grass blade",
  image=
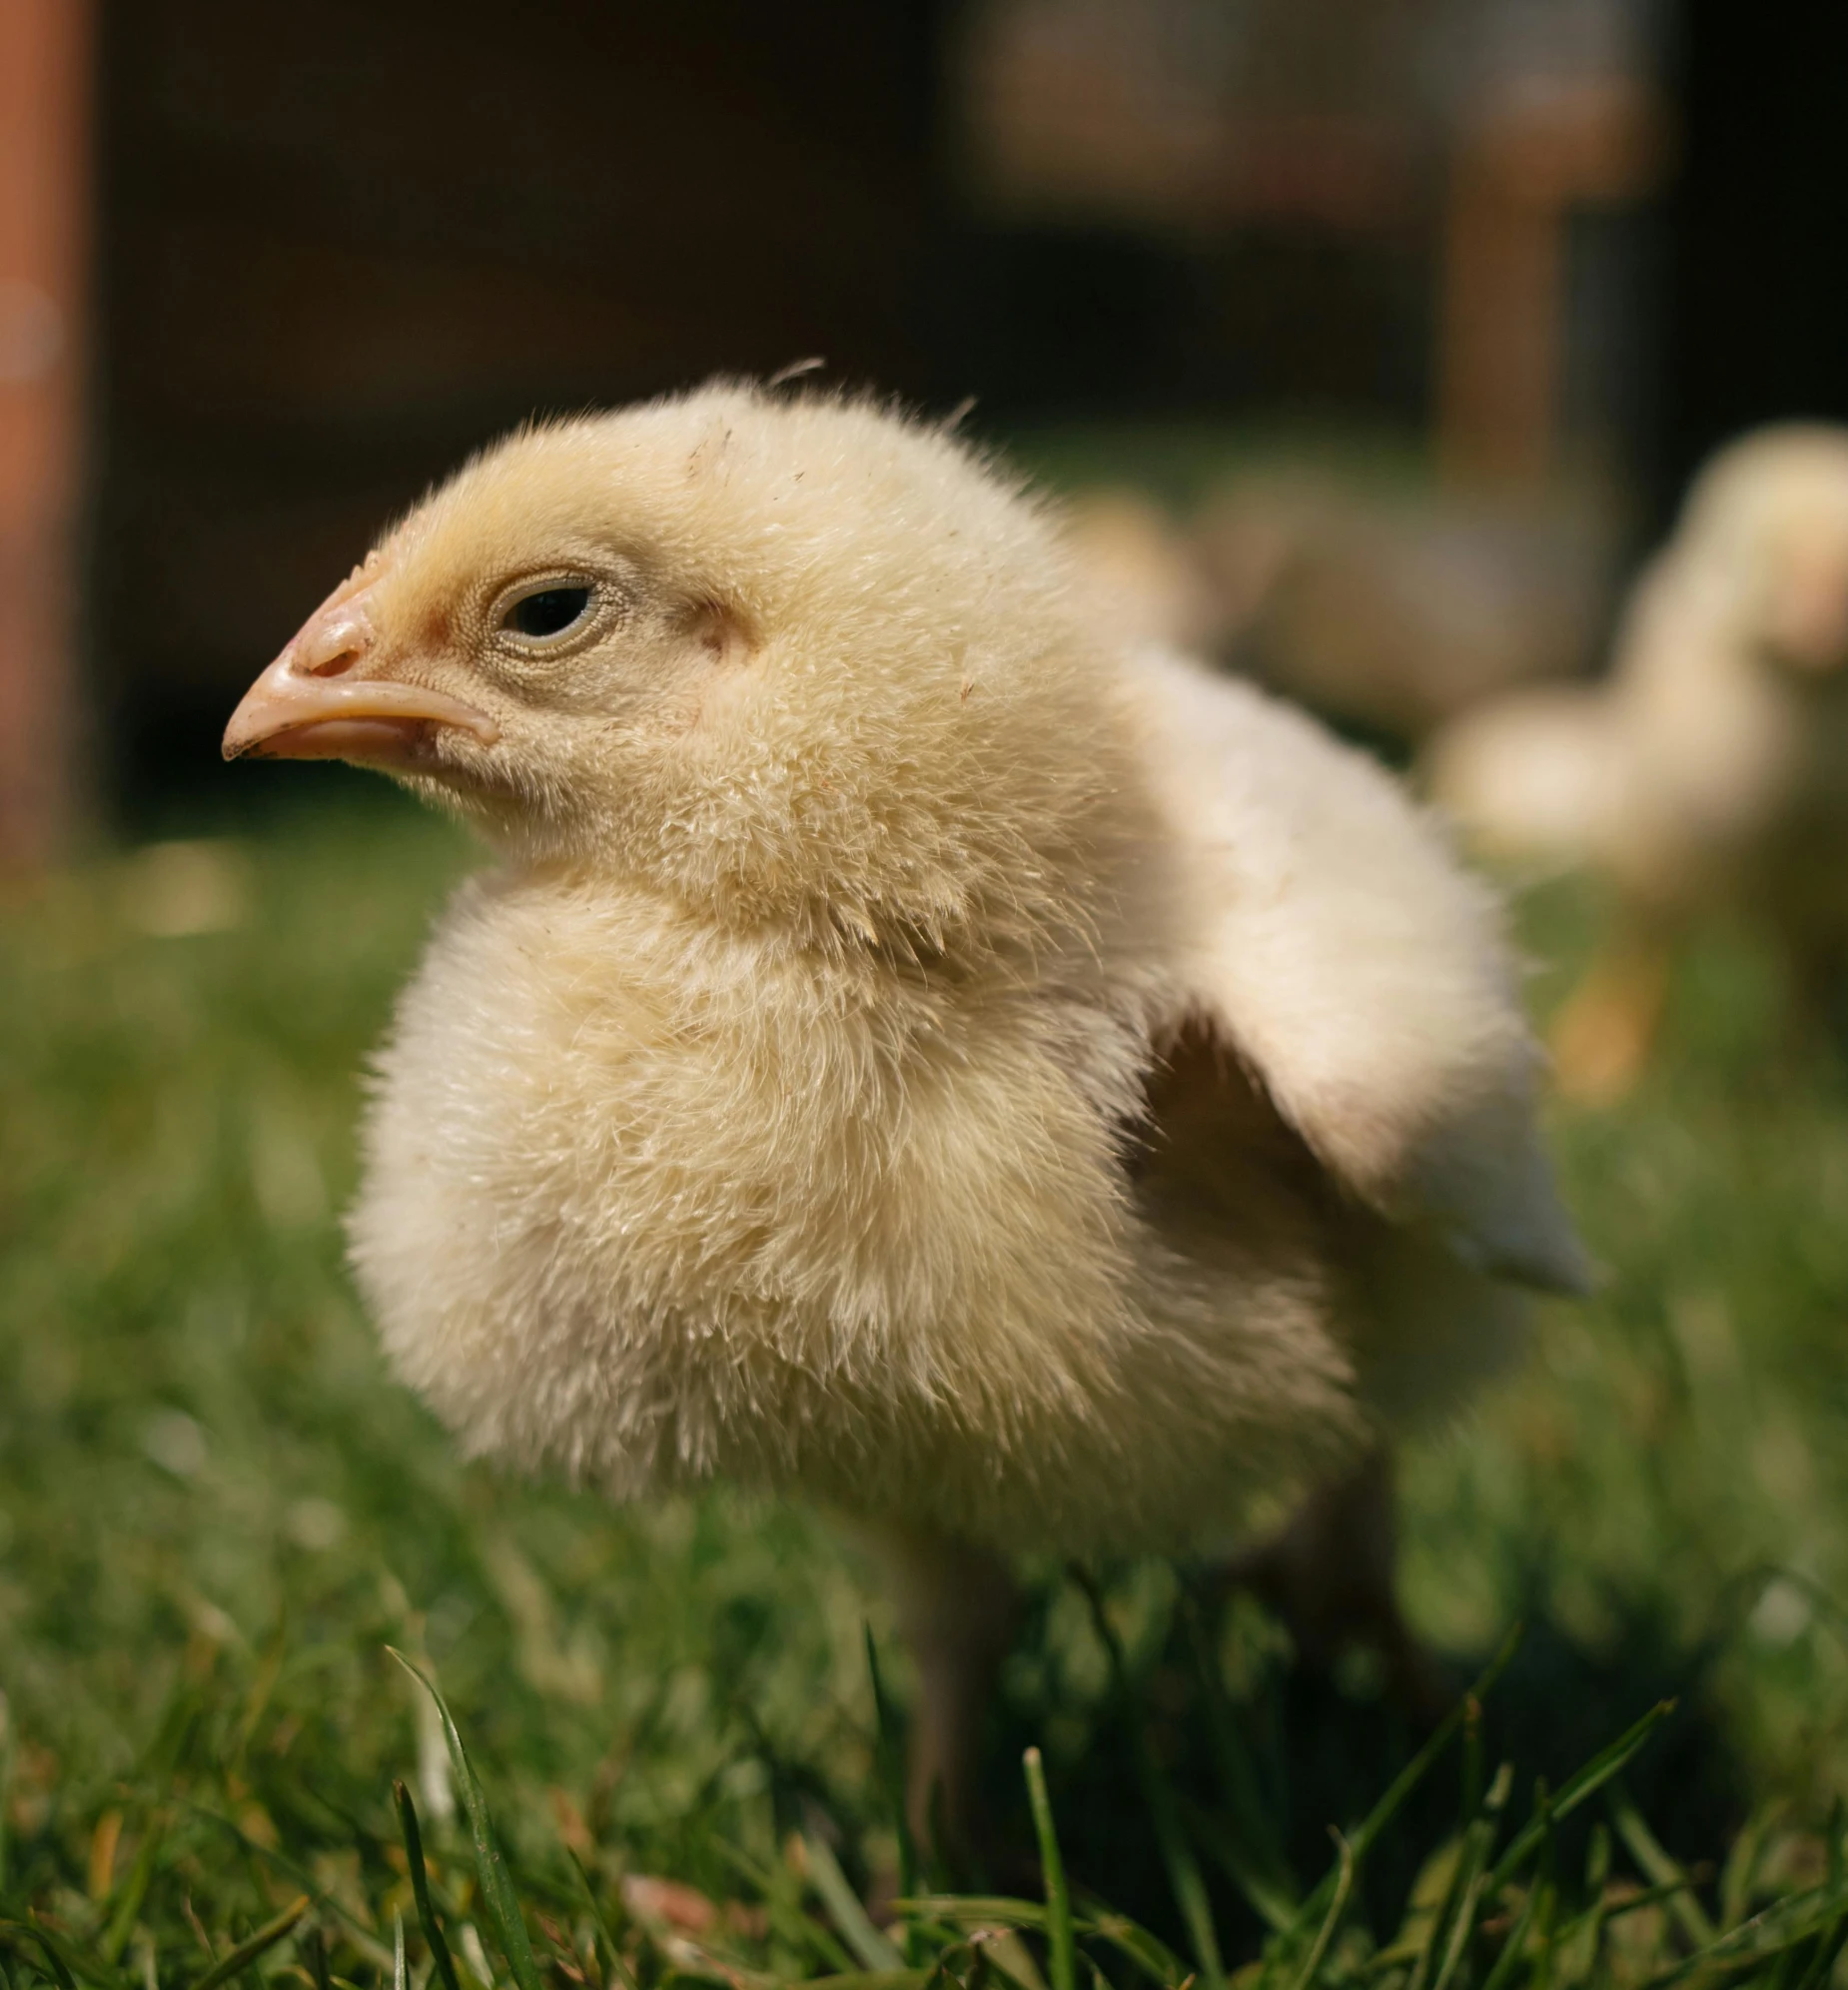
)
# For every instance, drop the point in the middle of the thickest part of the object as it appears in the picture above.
(1062, 1952)
(1822, 1963)
(1338, 1906)
(1467, 1888)
(401, 1976)
(1575, 1789)
(1583, 1931)
(891, 1763)
(1373, 1825)
(1246, 1833)
(784, 1892)
(617, 1962)
(1011, 1959)
(1136, 1944)
(497, 1883)
(1367, 1833)
(173, 1735)
(420, 1887)
(356, 1931)
(1276, 1908)
(1462, 1924)
(1184, 1875)
(1765, 1935)
(1468, 1849)
(62, 1961)
(1597, 1860)
(1657, 1867)
(6, 1783)
(1472, 1755)
(1546, 1883)
(247, 1952)
(1502, 1970)
(60, 1969)
(1740, 1871)
(1647, 1896)
(872, 1979)
(134, 1890)
(975, 1909)
(873, 1948)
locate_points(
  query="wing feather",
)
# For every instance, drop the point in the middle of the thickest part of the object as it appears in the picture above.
(1359, 971)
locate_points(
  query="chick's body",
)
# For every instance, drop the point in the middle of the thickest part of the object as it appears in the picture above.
(664, 1200)
(915, 1052)
(649, 1202)
(1707, 774)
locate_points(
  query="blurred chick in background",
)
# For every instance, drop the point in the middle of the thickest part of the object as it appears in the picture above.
(1711, 771)
(1394, 610)
(1387, 610)
(915, 1051)
(1139, 567)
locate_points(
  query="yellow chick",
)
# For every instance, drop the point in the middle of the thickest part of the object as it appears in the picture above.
(1711, 771)
(1139, 570)
(1397, 611)
(913, 1052)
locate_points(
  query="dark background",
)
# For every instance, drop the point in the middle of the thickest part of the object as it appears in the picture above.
(1756, 319)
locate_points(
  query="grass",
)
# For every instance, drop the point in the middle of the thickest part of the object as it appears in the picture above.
(219, 1518)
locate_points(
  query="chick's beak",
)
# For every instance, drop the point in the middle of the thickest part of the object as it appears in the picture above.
(314, 703)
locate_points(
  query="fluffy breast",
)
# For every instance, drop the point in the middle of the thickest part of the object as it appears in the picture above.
(656, 1203)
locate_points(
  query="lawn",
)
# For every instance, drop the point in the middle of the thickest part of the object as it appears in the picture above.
(217, 1512)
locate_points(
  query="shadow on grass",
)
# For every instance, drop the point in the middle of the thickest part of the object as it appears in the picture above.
(1325, 1748)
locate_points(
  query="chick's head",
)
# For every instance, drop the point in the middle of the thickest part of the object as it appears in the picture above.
(782, 658)
(1770, 516)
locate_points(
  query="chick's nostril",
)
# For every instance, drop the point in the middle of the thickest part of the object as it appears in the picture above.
(336, 666)
(332, 647)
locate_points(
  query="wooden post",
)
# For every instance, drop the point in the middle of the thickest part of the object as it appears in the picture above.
(45, 91)
(1514, 180)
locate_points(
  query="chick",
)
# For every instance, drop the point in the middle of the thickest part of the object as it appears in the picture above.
(1711, 771)
(1394, 613)
(914, 1052)
(1141, 571)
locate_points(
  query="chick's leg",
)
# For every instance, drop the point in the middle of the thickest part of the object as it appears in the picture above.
(956, 1608)
(1603, 1038)
(1329, 1574)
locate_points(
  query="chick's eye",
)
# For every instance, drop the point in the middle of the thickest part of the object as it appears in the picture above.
(551, 612)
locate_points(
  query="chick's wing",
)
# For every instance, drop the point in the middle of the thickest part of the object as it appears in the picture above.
(1331, 942)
